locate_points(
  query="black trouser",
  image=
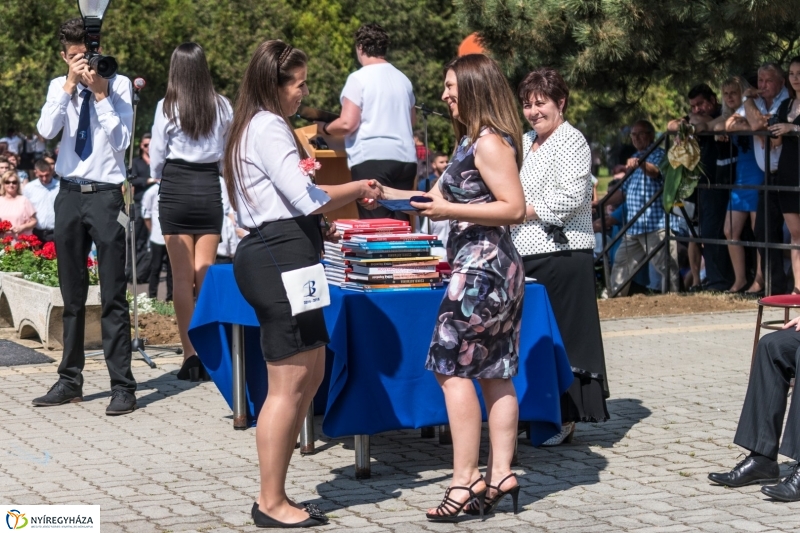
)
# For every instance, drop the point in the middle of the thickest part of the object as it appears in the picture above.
(158, 258)
(760, 423)
(713, 209)
(774, 234)
(82, 218)
(142, 240)
(44, 235)
(394, 174)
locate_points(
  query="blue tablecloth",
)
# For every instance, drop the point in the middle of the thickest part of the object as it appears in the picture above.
(375, 379)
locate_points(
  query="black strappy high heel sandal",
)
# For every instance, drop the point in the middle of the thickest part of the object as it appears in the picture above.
(491, 503)
(449, 509)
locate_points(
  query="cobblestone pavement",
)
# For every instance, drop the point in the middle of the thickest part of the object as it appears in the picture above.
(677, 386)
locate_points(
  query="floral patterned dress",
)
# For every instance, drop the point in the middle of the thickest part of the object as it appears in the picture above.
(477, 333)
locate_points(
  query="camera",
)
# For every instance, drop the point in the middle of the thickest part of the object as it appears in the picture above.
(105, 66)
(771, 121)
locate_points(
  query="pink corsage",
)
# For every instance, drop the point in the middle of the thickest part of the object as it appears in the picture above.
(309, 165)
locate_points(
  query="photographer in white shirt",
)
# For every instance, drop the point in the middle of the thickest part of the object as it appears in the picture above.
(96, 117)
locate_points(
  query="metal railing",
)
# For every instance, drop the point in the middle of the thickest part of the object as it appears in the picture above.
(704, 184)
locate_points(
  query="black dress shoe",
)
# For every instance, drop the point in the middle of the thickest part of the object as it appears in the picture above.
(122, 403)
(787, 490)
(315, 518)
(190, 370)
(58, 394)
(751, 470)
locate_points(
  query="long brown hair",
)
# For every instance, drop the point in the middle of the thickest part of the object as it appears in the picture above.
(484, 100)
(191, 98)
(271, 67)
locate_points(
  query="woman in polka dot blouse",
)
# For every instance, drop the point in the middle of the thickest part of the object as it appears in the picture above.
(556, 240)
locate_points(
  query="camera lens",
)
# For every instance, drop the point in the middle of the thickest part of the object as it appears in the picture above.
(105, 66)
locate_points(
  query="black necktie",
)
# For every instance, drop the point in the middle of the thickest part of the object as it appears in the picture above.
(83, 142)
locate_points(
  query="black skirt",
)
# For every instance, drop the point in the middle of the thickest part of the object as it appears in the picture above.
(190, 199)
(568, 277)
(294, 243)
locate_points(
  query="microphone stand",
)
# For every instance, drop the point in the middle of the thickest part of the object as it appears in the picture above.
(426, 112)
(137, 343)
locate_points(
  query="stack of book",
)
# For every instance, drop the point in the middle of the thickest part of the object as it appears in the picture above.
(381, 255)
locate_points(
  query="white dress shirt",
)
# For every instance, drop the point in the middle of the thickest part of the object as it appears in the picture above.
(557, 180)
(14, 143)
(276, 188)
(43, 198)
(228, 239)
(170, 142)
(758, 147)
(111, 121)
(150, 210)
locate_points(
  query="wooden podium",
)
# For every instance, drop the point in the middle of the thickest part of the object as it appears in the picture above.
(334, 169)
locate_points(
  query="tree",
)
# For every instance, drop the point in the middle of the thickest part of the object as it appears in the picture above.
(616, 52)
(142, 34)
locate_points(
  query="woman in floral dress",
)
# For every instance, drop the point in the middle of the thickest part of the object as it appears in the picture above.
(477, 332)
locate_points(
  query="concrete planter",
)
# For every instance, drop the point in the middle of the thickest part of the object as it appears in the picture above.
(36, 310)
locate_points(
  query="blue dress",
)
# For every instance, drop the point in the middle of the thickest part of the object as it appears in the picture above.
(477, 333)
(747, 173)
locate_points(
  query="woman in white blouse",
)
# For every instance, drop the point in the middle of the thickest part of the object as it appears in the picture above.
(557, 239)
(281, 206)
(187, 144)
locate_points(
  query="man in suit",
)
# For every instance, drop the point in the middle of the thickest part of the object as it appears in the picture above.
(760, 424)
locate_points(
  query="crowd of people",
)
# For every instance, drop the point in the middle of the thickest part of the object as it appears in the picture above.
(216, 177)
(732, 161)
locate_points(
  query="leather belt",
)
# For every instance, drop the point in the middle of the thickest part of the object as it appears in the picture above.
(89, 188)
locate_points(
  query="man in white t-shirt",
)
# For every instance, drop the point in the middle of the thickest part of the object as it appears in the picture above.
(377, 119)
(158, 248)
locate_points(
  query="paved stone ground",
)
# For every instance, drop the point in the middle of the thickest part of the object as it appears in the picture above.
(677, 385)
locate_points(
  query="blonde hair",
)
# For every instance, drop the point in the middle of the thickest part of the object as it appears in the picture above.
(7, 174)
(734, 81)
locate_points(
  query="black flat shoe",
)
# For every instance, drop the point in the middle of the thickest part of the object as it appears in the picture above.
(787, 490)
(190, 370)
(750, 471)
(315, 518)
(449, 509)
(491, 503)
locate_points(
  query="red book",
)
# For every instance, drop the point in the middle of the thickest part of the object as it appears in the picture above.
(372, 231)
(385, 237)
(354, 223)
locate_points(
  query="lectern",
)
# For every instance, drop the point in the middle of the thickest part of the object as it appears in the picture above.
(333, 159)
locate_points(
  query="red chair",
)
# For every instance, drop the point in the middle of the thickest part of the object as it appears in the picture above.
(786, 301)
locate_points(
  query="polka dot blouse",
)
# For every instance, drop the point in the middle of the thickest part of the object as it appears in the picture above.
(557, 180)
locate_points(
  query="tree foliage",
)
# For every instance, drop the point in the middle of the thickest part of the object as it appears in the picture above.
(620, 53)
(142, 34)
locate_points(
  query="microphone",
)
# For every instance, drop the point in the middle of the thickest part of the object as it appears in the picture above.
(139, 84)
(428, 111)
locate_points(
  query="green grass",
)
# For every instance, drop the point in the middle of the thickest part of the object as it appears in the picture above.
(164, 308)
(602, 186)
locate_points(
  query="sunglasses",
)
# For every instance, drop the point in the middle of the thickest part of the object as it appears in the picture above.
(11, 182)
(146, 145)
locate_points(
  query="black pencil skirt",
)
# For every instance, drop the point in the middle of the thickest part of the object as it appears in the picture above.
(190, 199)
(294, 243)
(568, 277)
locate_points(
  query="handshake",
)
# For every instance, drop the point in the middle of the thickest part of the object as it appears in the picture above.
(371, 192)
